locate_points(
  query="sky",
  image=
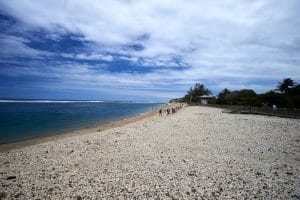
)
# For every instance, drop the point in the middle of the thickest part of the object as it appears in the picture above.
(145, 50)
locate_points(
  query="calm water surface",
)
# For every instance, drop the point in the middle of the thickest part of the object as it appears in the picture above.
(26, 120)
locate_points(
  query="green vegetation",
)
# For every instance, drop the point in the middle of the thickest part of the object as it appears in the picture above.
(242, 97)
(193, 94)
(287, 94)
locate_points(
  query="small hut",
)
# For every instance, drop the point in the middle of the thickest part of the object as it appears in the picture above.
(204, 99)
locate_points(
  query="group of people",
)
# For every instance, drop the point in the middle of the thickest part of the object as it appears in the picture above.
(169, 110)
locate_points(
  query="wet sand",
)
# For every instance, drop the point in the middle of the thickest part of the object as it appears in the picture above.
(197, 153)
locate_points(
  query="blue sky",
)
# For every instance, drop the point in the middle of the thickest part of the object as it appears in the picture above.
(145, 50)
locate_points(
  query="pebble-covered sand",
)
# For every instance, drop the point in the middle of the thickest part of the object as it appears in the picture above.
(197, 153)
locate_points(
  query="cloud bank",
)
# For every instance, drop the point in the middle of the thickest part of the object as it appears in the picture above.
(150, 49)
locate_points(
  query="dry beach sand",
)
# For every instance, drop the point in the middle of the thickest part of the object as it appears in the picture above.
(198, 153)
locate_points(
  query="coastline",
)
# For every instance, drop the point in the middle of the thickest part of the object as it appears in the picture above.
(5, 147)
(198, 152)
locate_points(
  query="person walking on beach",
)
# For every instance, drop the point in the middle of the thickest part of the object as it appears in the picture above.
(160, 112)
(173, 110)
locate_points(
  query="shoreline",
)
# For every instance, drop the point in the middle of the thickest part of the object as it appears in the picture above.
(197, 152)
(6, 147)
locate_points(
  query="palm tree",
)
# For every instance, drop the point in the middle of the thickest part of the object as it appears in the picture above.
(285, 85)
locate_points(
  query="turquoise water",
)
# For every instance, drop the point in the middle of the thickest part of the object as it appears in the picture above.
(30, 119)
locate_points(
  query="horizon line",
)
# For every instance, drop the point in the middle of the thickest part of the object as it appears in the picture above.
(68, 101)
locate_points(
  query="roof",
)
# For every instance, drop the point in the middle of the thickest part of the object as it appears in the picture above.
(205, 97)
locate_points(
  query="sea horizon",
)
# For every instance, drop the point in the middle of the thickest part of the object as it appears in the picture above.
(8, 100)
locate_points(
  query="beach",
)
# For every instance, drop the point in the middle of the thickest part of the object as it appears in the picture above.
(4, 147)
(197, 153)
(32, 119)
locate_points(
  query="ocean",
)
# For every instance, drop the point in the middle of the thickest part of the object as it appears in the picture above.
(22, 120)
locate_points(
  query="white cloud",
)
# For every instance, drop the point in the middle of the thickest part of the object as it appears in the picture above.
(90, 56)
(213, 40)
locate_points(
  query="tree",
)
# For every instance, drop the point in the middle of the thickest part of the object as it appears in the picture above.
(245, 97)
(200, 90)
(293, 94)
(193, 94)
(232, 98)
(246, 93)
(222, 96)
(285, 85)
(287, 94)
(248, 97)
(294, 91)
(274, 98)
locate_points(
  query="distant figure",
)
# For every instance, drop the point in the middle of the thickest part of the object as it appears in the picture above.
(160, 112)
(168, 111)
(173, 110)
(274, 107)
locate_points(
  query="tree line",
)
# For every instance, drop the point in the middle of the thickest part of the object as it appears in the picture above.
(286, 94)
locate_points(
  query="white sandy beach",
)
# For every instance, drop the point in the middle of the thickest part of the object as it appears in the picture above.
(198, 153)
